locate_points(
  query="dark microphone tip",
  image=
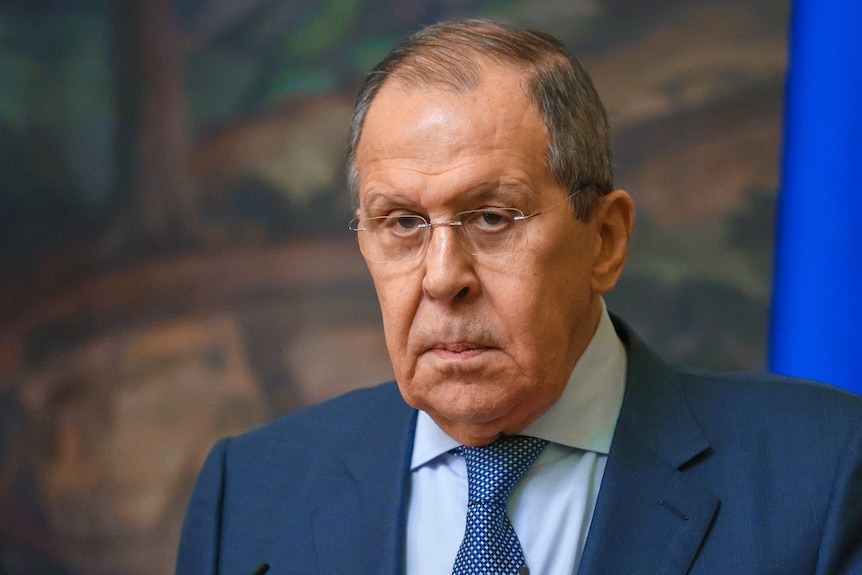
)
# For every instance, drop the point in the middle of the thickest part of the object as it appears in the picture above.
(261, 569)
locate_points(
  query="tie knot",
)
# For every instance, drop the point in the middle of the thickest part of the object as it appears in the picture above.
(493, 470)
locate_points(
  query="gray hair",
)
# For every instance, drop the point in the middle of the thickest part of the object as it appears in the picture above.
(445, 55)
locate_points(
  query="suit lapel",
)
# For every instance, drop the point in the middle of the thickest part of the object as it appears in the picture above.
(649, 517)
(360, 527)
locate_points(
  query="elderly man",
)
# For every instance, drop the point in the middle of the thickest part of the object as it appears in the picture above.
(527, 431)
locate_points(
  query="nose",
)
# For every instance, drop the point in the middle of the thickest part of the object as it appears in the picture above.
(449, 274)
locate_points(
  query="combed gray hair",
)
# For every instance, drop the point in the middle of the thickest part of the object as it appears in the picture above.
(448, 55)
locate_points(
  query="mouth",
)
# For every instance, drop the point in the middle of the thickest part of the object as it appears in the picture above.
(458, 350)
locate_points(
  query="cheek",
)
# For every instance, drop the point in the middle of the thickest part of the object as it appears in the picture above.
(398, 299)
(542, 306)
(537, 321)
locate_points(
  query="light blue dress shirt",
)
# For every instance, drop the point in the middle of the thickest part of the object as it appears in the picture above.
(552, 505)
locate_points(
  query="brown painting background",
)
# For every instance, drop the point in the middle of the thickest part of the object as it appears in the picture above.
(175, 260)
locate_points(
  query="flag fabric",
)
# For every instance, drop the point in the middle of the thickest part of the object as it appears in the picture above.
(816, 329)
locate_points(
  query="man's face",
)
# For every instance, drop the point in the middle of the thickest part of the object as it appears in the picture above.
(484, 344)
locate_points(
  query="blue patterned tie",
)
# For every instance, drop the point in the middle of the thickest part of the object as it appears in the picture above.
(490, 544)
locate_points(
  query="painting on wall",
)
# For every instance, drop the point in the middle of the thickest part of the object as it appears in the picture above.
(173, 229)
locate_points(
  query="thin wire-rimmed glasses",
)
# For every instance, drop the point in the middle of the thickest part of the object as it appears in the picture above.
(404, 236)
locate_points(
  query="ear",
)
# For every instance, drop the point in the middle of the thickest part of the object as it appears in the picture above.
(615, 221)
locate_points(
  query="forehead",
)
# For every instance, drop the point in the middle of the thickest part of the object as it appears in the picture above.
(425, 136)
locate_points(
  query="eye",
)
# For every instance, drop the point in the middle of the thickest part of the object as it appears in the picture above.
(400, 225)
(407, 222)
(490, 220)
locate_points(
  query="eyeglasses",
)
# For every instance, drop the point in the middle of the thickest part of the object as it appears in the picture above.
(404, 236)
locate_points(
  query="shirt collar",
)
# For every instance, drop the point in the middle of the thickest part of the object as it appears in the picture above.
(585, 415)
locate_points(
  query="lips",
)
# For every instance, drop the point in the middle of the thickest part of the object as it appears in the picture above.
(460, 351)
(458, 347)
(452, 342)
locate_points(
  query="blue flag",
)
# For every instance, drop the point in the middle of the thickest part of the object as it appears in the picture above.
(816, 327)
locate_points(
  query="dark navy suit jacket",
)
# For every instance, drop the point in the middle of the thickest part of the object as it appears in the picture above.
(707, 474)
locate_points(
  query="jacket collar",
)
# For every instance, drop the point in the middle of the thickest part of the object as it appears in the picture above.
(649, 516)
(360, 528)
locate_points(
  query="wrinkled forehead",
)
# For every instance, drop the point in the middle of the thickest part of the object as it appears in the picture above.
(431, 120)
(496, 106)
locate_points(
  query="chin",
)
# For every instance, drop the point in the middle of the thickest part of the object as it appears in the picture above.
(492, 414)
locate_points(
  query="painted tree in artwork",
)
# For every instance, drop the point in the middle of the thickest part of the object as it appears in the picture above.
(153, 137)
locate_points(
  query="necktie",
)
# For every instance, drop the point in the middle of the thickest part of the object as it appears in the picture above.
(490, 544)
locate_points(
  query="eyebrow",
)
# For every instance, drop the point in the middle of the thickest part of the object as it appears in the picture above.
(512, 193)
(373, 198)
